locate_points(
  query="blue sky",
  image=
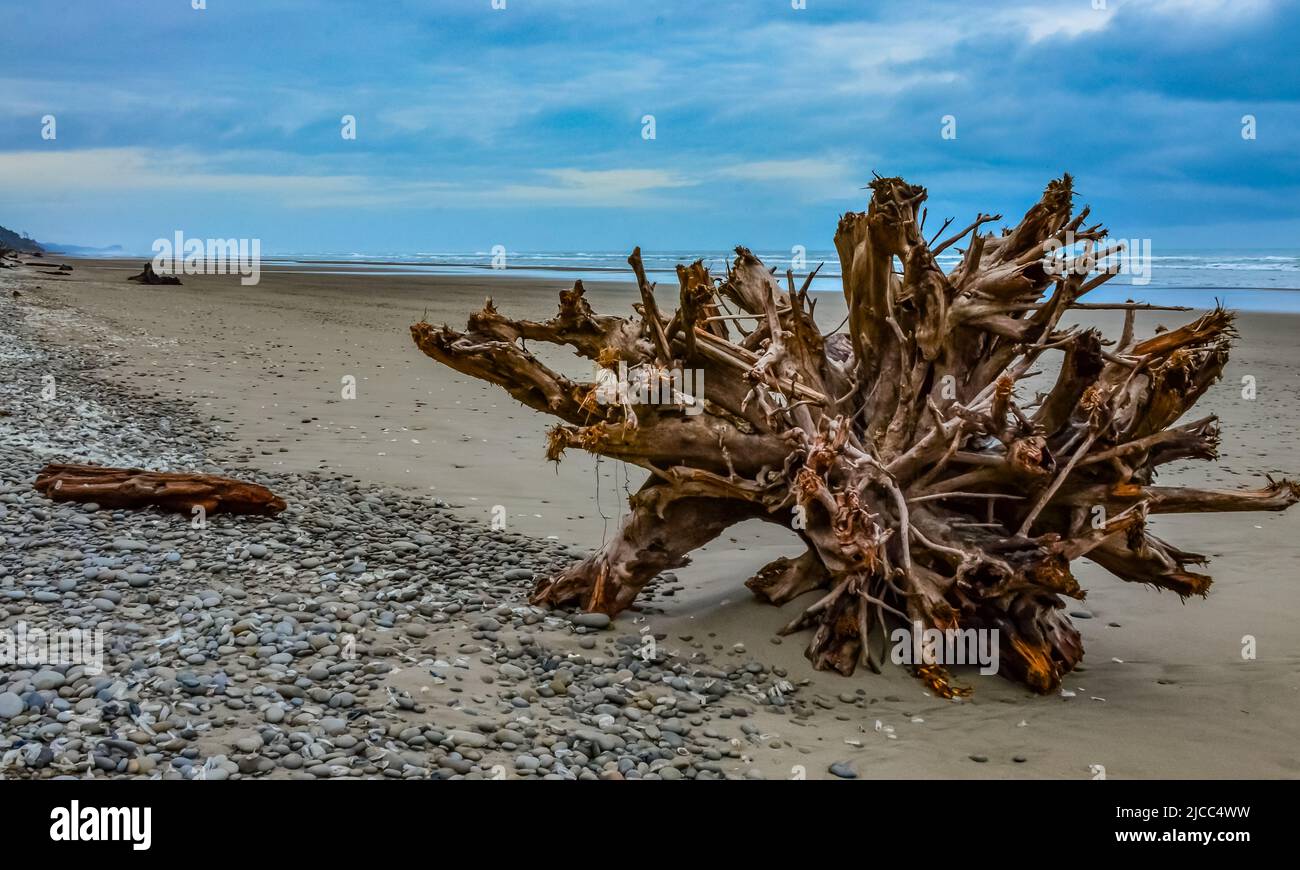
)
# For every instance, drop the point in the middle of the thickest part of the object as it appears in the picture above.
(523, 126)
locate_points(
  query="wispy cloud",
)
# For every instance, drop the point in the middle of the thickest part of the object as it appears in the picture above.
(806, 178)
(585, 187)
(114, 170)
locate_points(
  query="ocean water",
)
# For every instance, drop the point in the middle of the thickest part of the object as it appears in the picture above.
(1247, 280)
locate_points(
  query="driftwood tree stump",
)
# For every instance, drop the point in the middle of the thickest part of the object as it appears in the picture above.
(925, 487)
(174, 491)
(149, 276)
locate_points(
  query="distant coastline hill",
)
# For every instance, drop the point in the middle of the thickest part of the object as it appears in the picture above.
(83, 251)
(14, 242)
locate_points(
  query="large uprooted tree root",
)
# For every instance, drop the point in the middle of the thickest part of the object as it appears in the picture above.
(925, 487)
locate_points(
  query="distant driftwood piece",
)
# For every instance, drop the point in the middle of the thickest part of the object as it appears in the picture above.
(149, 276)
(927, 482)
(136, 488)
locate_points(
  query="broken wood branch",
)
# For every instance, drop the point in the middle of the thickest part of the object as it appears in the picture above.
(173, 491)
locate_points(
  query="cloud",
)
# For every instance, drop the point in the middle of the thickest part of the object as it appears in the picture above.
(585, 187)
(115, 170)
(1048, 22)
(807, 178)
(1212, 10)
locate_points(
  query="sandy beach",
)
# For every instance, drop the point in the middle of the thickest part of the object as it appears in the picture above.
(1164, 690)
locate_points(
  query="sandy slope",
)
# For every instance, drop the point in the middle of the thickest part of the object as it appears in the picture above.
(1179, 701)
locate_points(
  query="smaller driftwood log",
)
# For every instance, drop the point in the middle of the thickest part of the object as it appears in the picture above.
(149, 276)
(175, 491)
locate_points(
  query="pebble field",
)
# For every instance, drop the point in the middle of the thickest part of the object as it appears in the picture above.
(362, 633)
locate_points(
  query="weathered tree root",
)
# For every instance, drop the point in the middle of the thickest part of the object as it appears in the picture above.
(928, 491)
(784, 580)
(134, 488)
(646, 545)
(149, 276)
